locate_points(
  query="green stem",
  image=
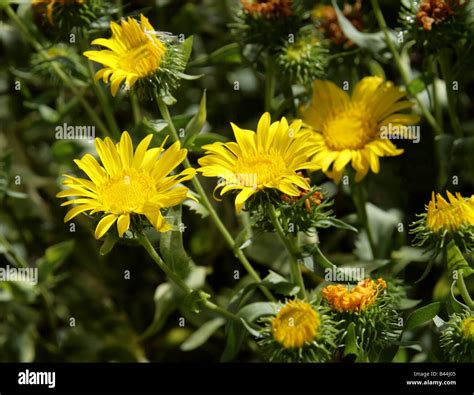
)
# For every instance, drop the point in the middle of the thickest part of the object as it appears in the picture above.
(359, 197)
(445, 65)
(463, 290)
(59, 72)
(436, 104)
(145, 242)
(291, 247)
(401, 69)
(269, 85)
(406, 80)
(206, 202)
(105, 105)
(135, 108)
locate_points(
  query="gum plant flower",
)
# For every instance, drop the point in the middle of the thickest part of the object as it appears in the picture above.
(446, 219)
(351, 129)
(267, 8)
(369, 308)
(127, 184)
(356, 299)
(299, 332)
(269, 158)
(137, 55)
(457, 338)
(66, 13)
(303, 61)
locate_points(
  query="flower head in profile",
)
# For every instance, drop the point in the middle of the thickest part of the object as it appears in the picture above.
(136, 55)
(302, 61)
(369, 308)
(66, 14)
(445, 220)
(127, 183)
(356, 299)
(457, 337)
(356, 129)
(299, 332)
(269, 158)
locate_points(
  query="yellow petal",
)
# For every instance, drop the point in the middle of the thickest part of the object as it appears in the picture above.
(104, 225)
(123, 224)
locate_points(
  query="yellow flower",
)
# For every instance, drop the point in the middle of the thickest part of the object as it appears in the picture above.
(134, 52)
(443, 215)
(467, 326)
(295, 324)
(127, 183)
(356, 299)
(350, 128)
(269, 158)
(51, 3)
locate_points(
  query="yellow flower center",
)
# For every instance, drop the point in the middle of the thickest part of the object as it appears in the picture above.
(127, 193)
(256, 171)
(356, 299)
(467, 327)
(443, 215)
(295, 324)
(351, 129)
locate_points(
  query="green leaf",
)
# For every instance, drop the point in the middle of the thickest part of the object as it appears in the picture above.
(206, 138)
(406, 304)
(229, 53)
(336, 223)
(48, 114)
(108, 243)
(350, 341)
(416, 86)
(235, 335)
(187, 48)
(454, 305)
(280, 284)
(171, 245)
(456, 260)
(423, 315)
(196, 123)
(256, 310)
(189, 77)
(166, 301)
(56, 255)
(200, 336)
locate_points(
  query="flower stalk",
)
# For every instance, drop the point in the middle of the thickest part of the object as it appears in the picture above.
(146, 244)
(291, 247)
(163, 108)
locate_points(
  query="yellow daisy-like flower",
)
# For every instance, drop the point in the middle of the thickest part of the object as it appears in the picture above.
(355, 299)
(267, 159)
(134, 52)
(127, 183)
(295, 324)
(449, 215)
(349, 129)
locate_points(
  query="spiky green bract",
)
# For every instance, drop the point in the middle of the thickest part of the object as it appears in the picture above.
(457, 338)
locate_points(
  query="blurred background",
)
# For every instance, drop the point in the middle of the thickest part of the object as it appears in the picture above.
(91, 306)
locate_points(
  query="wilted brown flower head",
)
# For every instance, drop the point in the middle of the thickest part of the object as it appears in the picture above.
(435, 11)
(268, 8)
